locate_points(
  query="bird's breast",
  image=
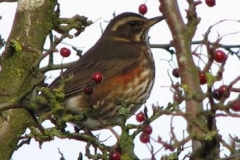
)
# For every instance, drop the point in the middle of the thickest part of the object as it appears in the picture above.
(138, 83)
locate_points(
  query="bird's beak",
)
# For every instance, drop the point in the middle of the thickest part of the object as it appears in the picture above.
(153, 21)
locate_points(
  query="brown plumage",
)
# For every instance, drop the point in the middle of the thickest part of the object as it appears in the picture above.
(123, 57)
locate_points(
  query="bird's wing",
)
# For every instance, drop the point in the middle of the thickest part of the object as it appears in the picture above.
(109, 60)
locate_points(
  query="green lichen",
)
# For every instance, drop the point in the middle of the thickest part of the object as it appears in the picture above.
(16, 45)
(210, 79)
(124, 110)
(125, 140)
(185, 87)
(172, 156)
(58, 93)
(210, 135)
(126, 145)
(126, 157)
(187, 91)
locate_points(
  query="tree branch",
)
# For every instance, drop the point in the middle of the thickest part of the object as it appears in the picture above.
(8, 1)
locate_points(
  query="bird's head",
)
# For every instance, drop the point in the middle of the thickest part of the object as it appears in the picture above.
(130, 27)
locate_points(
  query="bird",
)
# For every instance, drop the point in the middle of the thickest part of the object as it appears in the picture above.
(123, 58)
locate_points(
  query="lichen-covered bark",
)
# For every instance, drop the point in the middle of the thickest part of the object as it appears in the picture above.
(182, 34)
(33, 21)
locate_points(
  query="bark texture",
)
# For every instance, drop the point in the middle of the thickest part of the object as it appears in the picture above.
(33, 21)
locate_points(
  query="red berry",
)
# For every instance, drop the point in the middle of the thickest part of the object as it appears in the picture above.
(65, 52)
(210, 3)
(88, 90)
(175, 72)
(144, 137)
(147, 129)
(202, 78)
(224, 90)
(142, 9)
(217, 94)
(235, 105)
(140, 117)
(97, 77)
(219, 56)
(115, 156)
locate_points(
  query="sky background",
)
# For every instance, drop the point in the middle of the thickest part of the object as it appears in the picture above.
(101, 11)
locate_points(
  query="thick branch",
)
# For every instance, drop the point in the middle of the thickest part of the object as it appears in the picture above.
(182, 36)
(32, 23)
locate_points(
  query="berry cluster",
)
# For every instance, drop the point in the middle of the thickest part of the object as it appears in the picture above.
(97, 77)
(145, 135)
(223, 92)
(219, 56)
(146, 128)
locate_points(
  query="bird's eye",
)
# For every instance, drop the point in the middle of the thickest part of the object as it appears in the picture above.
(132, 23)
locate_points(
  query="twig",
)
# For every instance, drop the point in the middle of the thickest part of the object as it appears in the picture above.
(61, 154)
(27, 141)
(56, 67)
(8, 1)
